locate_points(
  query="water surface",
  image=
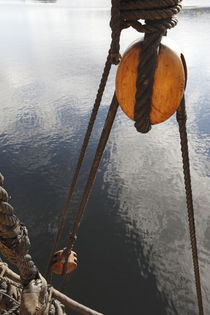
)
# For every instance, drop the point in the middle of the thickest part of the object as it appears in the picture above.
(133, 244)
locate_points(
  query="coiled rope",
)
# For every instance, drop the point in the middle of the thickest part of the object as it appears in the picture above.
(29, 293)
(14, 241)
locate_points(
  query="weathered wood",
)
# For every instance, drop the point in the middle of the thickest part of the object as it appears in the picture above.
(169, 82)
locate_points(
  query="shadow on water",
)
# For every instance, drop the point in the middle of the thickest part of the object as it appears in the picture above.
(133, 245)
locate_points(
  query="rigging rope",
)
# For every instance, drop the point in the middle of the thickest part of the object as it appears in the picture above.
(98, 155)
(54, 297)
(14, 241)
(159, 17)
(93, 116)
(181, 119)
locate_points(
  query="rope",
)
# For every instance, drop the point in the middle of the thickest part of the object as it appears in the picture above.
(145, 80)
(8, 281)
(151, 4)
(93, 116)
(8, 296)
(181, 118)
(14, 245)
(14, 241)
(3, 270)
(10, 292)
(14, 310)
(98, 155)
(15, 307)
(158, 16)
(53, 294)
(115, 25)
(122, 16)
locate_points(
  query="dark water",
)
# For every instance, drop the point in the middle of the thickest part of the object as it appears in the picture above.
(133, 244)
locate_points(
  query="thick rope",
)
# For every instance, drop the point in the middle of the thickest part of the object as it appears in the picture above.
(145, 4)
(115, 25)
(159, 17)
(93, 116)
(53, 293)
(9, 293)
(11, 289)
(13, 305)
(98, 155)
(113, 58)
(120, 18)
(181, 118)
(15, 245)
(145, 80)
(14, 241)
(155, 27)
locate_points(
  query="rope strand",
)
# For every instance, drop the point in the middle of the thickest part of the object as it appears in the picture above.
(98, 155)
(93, 116)
(181, 118)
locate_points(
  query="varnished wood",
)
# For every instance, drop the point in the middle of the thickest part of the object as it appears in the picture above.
(169, 82)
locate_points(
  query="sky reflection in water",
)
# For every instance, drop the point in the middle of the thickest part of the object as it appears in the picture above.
(133, 245)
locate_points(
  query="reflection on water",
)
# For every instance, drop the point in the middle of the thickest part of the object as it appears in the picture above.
(46, 1)
(133, 244)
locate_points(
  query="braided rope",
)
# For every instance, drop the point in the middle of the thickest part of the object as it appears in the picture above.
(88, 133)
(92, 174)
(115, 25)
(145, 4)
(159, 17)
(155, 27)
(10, 293)
(14, 241)
(52, 295)
(14, 309)
(9, 281)
(145, 79)
(3, 194)
(156, 14)
(4, 268)
(181, 118)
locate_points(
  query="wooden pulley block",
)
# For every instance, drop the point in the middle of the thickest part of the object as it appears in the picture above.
(59, 260)
(169, 81)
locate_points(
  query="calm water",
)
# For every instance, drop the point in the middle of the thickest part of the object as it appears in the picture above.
(133, 244)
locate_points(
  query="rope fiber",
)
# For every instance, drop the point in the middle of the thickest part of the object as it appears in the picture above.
(98, 155)
(181, 119)
(86, 140)
(158, 16)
